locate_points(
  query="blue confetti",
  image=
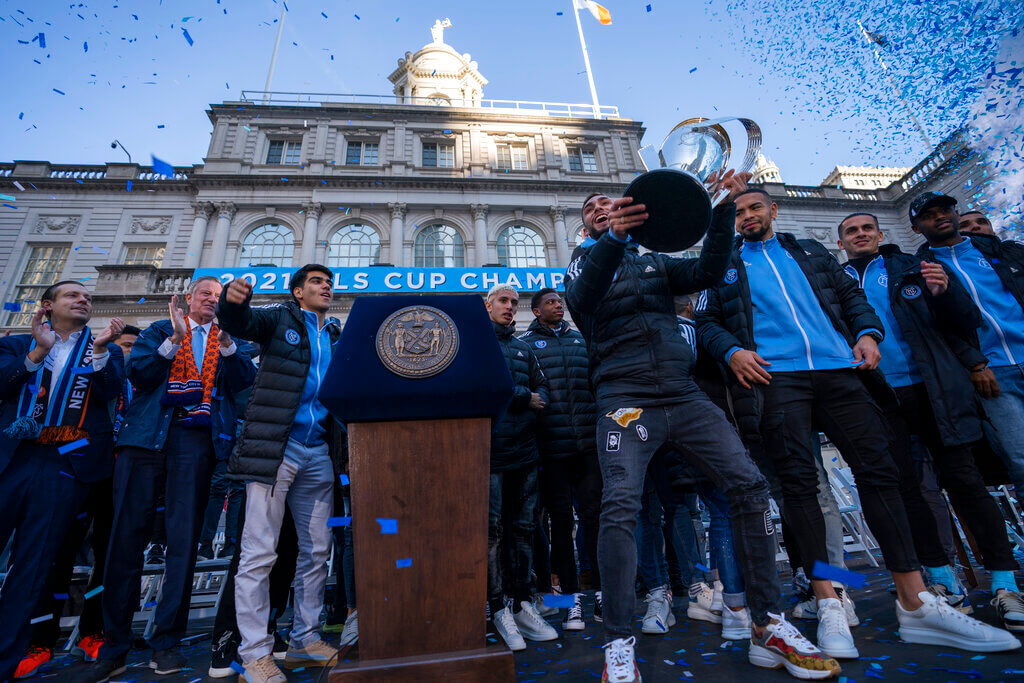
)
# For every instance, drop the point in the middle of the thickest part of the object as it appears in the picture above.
(828, 572)
(400, 564)
(129, 186)
(73, 446)
(42, 39)
(702, 567)
(162, 167)
(60, 596)
(323, 15)
(94, 592)
(85, 46)
(151, 603)
(184, 31)
(226, 437)
(141, 301)
(648, 8)
(344, 479)
(339, 521)
(100, 250)
(693, 69)
(59, 92)
(356, 16)
(388, 525)
(12, 306)
(553, 600)
(238, 667)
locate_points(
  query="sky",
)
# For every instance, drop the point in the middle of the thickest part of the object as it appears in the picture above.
(144, 72)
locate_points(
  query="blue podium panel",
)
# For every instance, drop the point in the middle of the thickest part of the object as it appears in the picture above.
(360, 388)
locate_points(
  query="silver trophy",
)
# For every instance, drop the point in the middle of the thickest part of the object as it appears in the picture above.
(685, 183)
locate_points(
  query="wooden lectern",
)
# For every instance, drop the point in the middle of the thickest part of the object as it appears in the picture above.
(419, 449)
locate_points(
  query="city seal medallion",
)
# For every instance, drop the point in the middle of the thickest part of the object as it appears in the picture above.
(417, 342)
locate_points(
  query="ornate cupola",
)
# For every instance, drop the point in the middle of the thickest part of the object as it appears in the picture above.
(437, 74)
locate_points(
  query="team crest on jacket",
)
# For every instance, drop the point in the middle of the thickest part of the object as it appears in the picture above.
(540, 343)
(292, 337)
(911, 292)
(883, 279)
(623, 416)
(731, 275)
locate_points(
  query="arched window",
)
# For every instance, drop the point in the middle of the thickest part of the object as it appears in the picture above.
(269, 243)
(439, 246)
(520, 247)
(353, 246)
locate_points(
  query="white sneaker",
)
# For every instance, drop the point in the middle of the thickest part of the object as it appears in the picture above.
(505, 625)
(808, 609)
(717, 604)
(574, 617)
(782, 645)
(936, 623)
(1010, 606)
(659, 615)
(620, 662)
(531, 625)
(834, 637)
(735, 625)
(542, 609)
(350, 633)
(701, 598)
(851, 611)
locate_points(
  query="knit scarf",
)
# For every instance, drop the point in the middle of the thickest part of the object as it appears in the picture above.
(58, 420)
(187, 386)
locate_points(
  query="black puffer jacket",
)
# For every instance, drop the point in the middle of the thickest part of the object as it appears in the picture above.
(514, 440)
(623, 304)
(936, 328)
(277, 391)
(566, 427)
(725, 317)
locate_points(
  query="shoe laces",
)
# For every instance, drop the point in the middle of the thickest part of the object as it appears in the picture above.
(533, 615)
(947, 612)
(833, 618)
(266, 667)
(790, 634)
(576, 611)
(506, 620)
(619, 654)
(654, 599)
(37, 650)
(1008, 601)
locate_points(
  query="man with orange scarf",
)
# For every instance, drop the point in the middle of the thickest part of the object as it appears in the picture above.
(186, 372)
(55, 439)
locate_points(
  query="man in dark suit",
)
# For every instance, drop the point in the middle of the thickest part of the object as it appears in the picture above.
(55, 439)
(185, 373)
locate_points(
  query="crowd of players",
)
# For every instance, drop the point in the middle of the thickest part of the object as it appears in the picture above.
(692, 387)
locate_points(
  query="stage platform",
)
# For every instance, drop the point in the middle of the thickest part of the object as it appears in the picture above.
(692, 650)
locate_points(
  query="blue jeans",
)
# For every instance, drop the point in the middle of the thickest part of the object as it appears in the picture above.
(723, 553)
(664, 521)
(650, 542)
(699, 430)
(221, 487)
(1005, 431)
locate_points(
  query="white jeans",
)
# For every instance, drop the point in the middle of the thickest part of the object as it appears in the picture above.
(305, 481)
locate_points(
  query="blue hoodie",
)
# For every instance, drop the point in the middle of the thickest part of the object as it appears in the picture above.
(792, 331)
(310, 425)
(897, 364)
(1002, 320)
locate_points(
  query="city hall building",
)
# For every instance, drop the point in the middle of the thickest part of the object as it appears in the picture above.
(432, 188)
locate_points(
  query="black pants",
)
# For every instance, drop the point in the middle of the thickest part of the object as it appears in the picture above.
(560, 479)
(38, 498)
(98, 512)
(281, 577)
(182, 471)
(957, 474)
(513, 502)
(837, 402)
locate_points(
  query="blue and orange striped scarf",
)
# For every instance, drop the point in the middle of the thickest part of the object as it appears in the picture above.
(187, 386)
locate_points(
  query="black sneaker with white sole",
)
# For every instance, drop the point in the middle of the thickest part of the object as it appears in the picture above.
(168, 661)
(100, 671)
(598, 607)
(574, 616)
(224, 655)
(280, 646)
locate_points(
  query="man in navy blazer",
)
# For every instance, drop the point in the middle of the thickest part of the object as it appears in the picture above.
(55, 439)
(185, 373)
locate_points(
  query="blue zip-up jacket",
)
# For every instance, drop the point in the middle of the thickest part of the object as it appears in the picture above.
(897, 362)
(791, 329)
(309, 427)
(1002, 318)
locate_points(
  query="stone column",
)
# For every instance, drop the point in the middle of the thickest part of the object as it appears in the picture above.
(561, 236)
(225, 212)
(480, 232)
(397, 233)
(194, 252)
(312, 212)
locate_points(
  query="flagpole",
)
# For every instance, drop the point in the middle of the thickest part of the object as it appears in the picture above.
(273, 58)
(888, 79)
(586, 60)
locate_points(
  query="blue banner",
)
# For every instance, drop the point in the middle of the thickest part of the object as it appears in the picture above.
(387, 279)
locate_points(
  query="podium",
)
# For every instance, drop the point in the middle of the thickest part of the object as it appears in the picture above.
(418, 380)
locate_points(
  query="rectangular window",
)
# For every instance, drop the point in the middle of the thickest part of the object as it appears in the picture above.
(438, 156)
(42, 268)
(513, 157)
(582, 160)
(144, 254)
(361, 154)
(284, 152)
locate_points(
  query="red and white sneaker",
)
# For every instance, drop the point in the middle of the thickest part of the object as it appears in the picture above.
(782, 645)
(620, 662)
(33, 659)
(88, 648)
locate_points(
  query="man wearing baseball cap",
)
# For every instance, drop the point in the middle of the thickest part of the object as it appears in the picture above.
(993, 274)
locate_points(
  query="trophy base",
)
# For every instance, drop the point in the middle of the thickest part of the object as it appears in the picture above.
(679, 208)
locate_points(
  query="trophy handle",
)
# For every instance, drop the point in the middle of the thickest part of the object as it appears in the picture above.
(753, 132)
